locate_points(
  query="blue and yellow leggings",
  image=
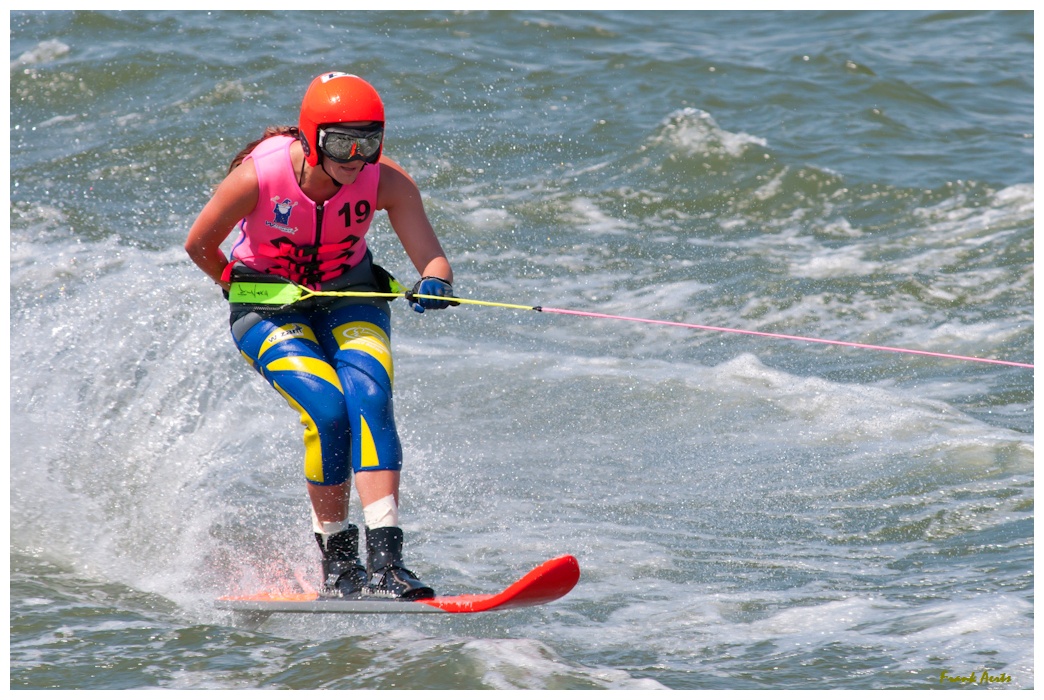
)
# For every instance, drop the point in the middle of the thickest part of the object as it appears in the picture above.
(333, 364)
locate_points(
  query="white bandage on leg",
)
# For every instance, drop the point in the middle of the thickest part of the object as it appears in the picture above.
(325, 528)
(382, 513)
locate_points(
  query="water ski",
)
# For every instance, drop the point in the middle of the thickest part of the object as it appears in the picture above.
(545, 583)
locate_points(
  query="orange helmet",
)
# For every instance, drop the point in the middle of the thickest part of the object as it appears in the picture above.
(335, 98)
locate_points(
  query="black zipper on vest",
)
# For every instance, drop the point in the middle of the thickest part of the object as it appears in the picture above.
(318, 233)
(309, 266)
(318, 224)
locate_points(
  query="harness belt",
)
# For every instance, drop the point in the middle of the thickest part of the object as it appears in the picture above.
(274, 293)
(285, 293)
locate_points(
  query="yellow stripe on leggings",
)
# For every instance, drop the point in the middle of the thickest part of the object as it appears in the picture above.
(368, 338)
(369, 448)
(291, 331)
(309, 365)
(313, 464)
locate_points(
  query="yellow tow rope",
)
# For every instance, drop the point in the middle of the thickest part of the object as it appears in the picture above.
(286, 293)
(306, 293)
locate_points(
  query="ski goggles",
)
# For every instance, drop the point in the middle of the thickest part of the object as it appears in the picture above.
(343, 145)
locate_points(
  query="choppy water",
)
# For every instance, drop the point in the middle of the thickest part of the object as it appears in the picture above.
(748, 513)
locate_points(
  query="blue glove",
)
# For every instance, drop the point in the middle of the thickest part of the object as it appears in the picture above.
(434, 286)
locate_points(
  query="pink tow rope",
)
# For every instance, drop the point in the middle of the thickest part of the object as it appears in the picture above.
(865, 346)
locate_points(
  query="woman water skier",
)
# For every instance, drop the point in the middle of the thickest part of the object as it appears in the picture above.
(304, 198)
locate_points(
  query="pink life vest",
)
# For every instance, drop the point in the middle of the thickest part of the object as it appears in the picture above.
(289, 235)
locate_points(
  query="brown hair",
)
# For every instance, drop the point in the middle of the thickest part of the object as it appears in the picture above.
(269, 133)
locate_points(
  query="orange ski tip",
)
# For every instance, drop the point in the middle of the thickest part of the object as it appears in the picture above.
(269, 597)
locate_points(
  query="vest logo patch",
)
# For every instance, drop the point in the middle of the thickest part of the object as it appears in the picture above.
(282, 209)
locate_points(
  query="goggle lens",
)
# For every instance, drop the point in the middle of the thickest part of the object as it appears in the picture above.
(345, 145)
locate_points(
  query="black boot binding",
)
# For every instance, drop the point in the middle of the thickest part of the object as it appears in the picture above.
(343, 573)
(389, 578)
